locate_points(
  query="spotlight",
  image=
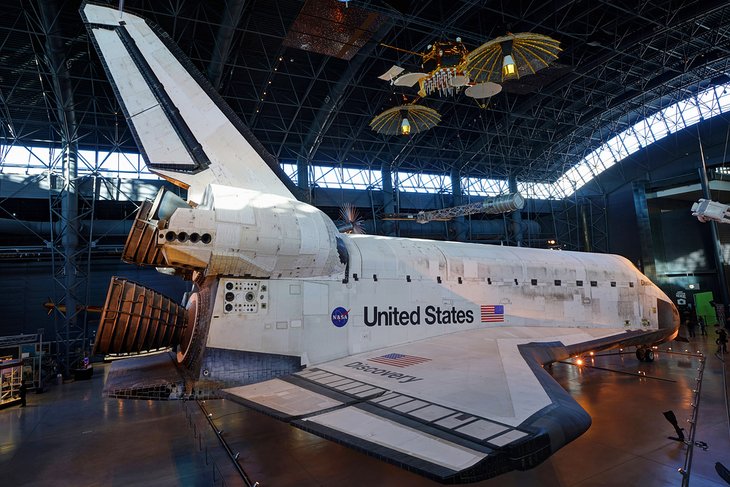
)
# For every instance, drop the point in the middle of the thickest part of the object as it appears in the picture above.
(509, 68)
(405, 127)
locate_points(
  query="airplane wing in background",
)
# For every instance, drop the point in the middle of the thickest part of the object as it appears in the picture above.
(456, 408)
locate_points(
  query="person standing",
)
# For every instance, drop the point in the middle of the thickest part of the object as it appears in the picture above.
(703, 326)
(691, 325)
(23, 391)
(721, 341)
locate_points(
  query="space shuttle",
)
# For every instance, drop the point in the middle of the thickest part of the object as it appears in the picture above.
(426, 354)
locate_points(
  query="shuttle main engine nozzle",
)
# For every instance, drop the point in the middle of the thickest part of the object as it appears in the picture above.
(136, 319)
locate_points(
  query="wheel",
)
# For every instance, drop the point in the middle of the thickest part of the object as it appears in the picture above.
(641, 354)
(649, 355)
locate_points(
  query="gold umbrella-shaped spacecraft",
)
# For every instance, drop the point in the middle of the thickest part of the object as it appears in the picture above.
(511, 57)
(405, 119)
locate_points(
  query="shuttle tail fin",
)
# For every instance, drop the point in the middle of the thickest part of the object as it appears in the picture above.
(184, 129)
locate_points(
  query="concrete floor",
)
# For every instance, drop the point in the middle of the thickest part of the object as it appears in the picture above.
(73, 436)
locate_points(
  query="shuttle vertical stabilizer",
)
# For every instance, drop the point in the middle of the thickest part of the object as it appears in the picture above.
(185, 131)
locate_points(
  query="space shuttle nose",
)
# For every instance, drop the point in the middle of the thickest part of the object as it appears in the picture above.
(668, 318)
(137, 319)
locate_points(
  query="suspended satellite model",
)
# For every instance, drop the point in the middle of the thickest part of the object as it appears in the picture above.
(450, 68)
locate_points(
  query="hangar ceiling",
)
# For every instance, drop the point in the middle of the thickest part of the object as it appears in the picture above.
(303, 75)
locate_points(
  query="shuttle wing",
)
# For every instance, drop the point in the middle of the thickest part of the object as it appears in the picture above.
(456, 408)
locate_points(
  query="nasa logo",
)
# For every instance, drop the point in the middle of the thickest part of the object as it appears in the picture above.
(340, 316)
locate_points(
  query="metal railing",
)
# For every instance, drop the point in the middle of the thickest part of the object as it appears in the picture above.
(724, 387)
(218, 479)
(10, 340)
(686, 470)
(233, 456)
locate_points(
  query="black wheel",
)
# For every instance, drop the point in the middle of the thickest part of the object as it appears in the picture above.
(649, 355)
(641, 354)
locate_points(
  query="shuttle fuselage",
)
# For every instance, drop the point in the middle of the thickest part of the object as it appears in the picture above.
(279, 279)
(401, 290)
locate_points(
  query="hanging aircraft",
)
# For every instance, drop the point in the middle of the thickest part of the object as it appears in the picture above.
(425, 354)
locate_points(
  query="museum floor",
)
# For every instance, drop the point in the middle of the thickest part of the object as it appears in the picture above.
(72, 436)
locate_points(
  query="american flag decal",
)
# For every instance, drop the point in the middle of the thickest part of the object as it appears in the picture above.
(399, 360)
(492, 313)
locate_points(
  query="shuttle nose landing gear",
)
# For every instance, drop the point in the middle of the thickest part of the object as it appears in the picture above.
(645, 354)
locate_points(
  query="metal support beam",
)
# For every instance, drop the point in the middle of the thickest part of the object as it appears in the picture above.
(303, 175)
(717, 249)
(71, 335)
(517, 214)
(595, 224)
(459, 228)
(388, 228)
(223, 39)
(585, 228)
(642, 219)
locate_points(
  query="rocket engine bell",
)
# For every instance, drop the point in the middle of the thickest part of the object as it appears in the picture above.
(137, 319)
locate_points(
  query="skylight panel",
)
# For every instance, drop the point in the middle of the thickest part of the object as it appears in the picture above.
(689, 111)
(723, 97)
(643, 132)
(617, 148)
(708, 104)
(291, 171)
(483, 186)
(422, 183)
(673, 119)
(630, 141)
